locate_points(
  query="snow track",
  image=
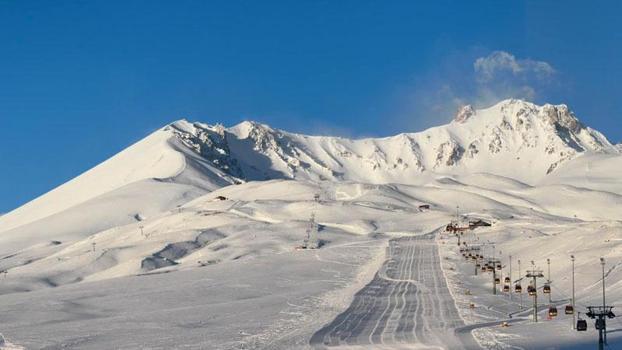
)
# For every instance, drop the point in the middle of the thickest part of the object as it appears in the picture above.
(406, 304)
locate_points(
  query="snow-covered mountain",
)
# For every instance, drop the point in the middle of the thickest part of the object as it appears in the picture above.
(512, 138)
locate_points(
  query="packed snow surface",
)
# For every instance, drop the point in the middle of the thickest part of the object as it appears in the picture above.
(187, 239)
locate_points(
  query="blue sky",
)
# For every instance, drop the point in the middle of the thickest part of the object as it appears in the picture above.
(81, 80)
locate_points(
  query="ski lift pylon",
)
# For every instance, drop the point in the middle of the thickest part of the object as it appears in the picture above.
(600, 323)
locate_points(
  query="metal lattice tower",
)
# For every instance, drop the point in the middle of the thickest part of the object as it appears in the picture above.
(494, 263)
(600, 313)
(311, 241)
(548, 279)
(474, 249)
(535, 274)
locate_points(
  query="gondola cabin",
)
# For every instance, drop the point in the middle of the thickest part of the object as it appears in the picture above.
(498, 267)
(569, 310)
(507, 280)
(506, 289)
(581, 325)
(552, 311)
(531, 290)
(546, 289)
(497, 281)
(518, 288)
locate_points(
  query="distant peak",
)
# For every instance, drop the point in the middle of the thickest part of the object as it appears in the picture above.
(181, 124)
(464, 113)
(514, 102)
(251, 124)
(248, 127)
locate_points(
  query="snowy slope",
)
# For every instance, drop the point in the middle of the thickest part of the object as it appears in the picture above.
(594, 171)
(227, 268)
(158, 157)
(150, 219)
(147, 158)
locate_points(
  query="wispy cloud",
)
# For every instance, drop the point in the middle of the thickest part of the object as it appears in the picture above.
(476, 79)
(501, 75)
(498, 63)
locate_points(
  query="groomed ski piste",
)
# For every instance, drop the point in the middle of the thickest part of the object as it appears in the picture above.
(407, 304)
(173, 244)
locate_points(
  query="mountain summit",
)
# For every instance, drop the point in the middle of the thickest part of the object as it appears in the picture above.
(513, 138)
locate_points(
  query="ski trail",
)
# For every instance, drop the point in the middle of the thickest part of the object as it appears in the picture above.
(406, 304)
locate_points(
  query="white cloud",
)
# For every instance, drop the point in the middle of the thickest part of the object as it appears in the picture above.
(470, 78)
(501, 62)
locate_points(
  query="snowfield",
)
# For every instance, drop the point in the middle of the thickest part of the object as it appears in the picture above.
(187, 239)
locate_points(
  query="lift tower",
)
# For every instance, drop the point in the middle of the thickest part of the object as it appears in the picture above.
(311, 240)
(599, 313)
(495, 263)
(548, 280)
(473, 250)
(510, 278)
(574, 326)
(535, 274)
(521, 288)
